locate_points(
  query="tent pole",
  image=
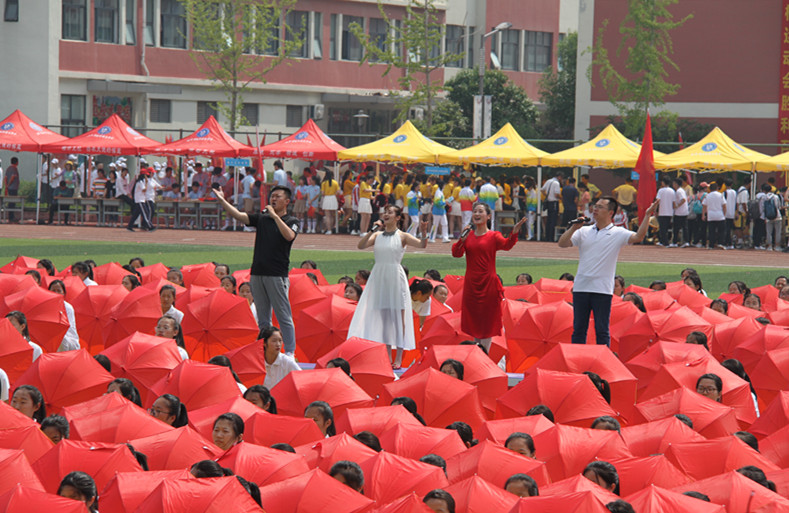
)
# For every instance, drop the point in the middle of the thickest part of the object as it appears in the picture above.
(39, 170)
(539, 201)
(337, 213)
(235, 192)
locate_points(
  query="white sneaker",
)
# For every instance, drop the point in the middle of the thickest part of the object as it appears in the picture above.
(446, 240)
(672, 245)
(354, 232)
(328, 232)
(699, 245)
(729, 247)
(431, 240)
(721, 246)
(362, 234)
(760, 248)
(658, 244)
(686, 245)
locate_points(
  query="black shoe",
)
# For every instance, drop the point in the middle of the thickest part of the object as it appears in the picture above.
(130, 228)
(152, 229)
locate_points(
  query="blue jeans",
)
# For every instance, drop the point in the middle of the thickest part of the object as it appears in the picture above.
(585, 303)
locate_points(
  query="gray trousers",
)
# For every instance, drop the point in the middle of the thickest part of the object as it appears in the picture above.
(272, 292)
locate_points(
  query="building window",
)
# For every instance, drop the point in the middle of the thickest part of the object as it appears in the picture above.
(130, 22)
(510, 56)
(106, 21)
(75, 20)
(11, 12)
(72, 114)
(297, 29)
(161, 111)
(204, 111)
(470, 48)
(333, 53)
(351, 46)
(150, 17)
(454, 43)
(250, 113)
(537, 48)
(317, 35)
(272, 43)
(173, 24)
(378, 31)
(294, 115)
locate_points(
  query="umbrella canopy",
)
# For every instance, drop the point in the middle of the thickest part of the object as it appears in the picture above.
(313, 492)
(144, 359)
(23, 499)
(249, 363)
(176, 449)
(576, 502)
(110, 273)
(654, 499)
(376, 420)
(711, 419)
(298, 389)
(11, 418)
(197, 385)
(775, 447)
(153, 273)
(578, 483)
(92, 307)
(715, 151)
(45, 312)
(202, 419)
(325, 453)
(768, 295)
(728, 336)
(495, 464)
(20, 133)
(406, 145)
(263, 428)
(15, 353)
(445, 330)
(388, 476)
(771, 374)
(610, 149)
(674, 325)
(200, 274)
(96, 405)
(309, 142)
(736, 492)
(15, 468)
(500, 430)
(323, 326)
(701, 460)
(209, 140)
(216, 495)
(126, 491)
(541, 328)
(505, 148)
(476, 495)
(772, 418)
(66, 378)
(655, 437)
(641, 472)
(11, 283)
(157, 284)
(263, 465)
(369, 363)
(658, 300)
(139, 310)
(216, 323)
(118, 425)
(440, 399)
(21, 263)
(689, 297)
(112, 137)
(415, 441)
(303, 292)
(645, 365)
(411, 503)
(751, 349)
(572, 398)
(29, 439)
(632, 335)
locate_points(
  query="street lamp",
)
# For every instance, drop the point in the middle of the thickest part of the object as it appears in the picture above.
(504, 25)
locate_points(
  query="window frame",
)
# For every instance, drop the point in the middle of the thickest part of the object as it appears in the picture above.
(538, 51)
(208, 111)
(346, 37)
(290, 110)
(102, 9)
(11, 11)
(256, 107)
(510, 62)
(169, 17)
(455, 45)
(72, 126)
(82, 25)
(160, 103)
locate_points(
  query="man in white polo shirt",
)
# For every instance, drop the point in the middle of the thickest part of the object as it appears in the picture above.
(598, 248)
(714, 213)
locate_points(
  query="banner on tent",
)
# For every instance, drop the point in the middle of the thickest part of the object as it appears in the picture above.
(436, 170)
(234, 162)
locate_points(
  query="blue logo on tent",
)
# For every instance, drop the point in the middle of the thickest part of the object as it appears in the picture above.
(203, 132)
(602, 143)
(7, 126)
(400, 138)
(301, 135)
(500, 141)
(104, 130)
(709, 147)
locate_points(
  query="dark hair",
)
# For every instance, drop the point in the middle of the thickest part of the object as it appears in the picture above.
(465, 432)
(48, 266)
(84, 484)
(398, 212)
(325, 412)
(620, 279)
(756, 474)
(35, 274)
(234, 419)
(135, 282)
(364, 273)
(137, 259)
(351, 472)
(141, 458)
(613, 205)
(741, 286)
(541, 409)
(340, 363)
(697, 495)
(722, 302)
(171, 289)
(369, 439)
(346, 280)
(456, 365)
(57, 422)
(178, 409)
(606, 472)
(749, 439)
(779, 277)
(697, 337)
(209, 468)
(82, 267)
(714, 377)
(356, 287)
(284, 447)
(410, 405)
(620, 506)
(607, 422)
(567, 277)
(252, 489)
(602, 385)
(487, 210)
(735, 366)
(421, 286)
(474, 343)
(223, 361)
(231, 279)
(131, 270)
(528, 482)
(266, 333)
(311, 263)
(658, 285)
(636, 300)
(127, 389)
(104, 362)
(529, 279)
(56, 282)
(177, 273)
(265, 396)
(285, 190)
(696, 280)
(20, 318)
(433, 274)
(179, 332)
(684, 419)
(435, 460)
(763, 320)
(749, 295)
(517, 435)
(441, 495)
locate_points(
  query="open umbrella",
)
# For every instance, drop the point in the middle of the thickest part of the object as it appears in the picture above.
(91, 308)
(632, 335)
(313, 492)
(736, 492)
(577, 483)
(324, 453)
(654, 499)
(23, 499)
(388, 476)
(541, 328)
(302, 293)
(323, 326)
(200, 274)
(500, 430)
(217, 495)
(369, 363)
(298, 389)
(74, 285)
(415, 441)
(98, 404)
(440, 399)
(768, 295)
(249, 363)
(263, 428)
(736, 311)
(527, 293)
(674, 325)
(11, 418)
(658, 300)
(202, 419)
(751, 349)
(772, 418)
(156, 283)
(780, 316)
(15, 468)
(708, 458)
(711, 419)
(29, 439)
(15, 353)
(216, 323)
(640, 472)
(572, 398)
(555, 286)
(153, 273)
(101, 461)
(118, 425)
(476, 495)
(144, 359)
(45, 312)
(193, 293)
(126, 490)
(776, 447)
(727, 336)
(11, 283)
(445, 330)
(411, 503)
(645, 365)
(376, 420)
(495, 464)
(20, 262)
(566, 450)
(66, 378)
(576, 502)
(196, 384)
(110, 273)
(139, 310)
(689, 297)
(263, 465)
(655, 437)
(771, 374)
(176, 448)
(781, 480)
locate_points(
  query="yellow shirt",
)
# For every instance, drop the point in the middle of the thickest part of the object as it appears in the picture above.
(625, 193)
(330, 188)
(427, 190)
(398, 192)
(456, 193)
(347, 187)
(448, 188)
(365, 190)
(507, 194)
(387, 188)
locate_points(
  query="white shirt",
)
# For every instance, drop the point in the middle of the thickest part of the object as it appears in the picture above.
(121, 186)
(714, 202)
(140, 190)
(281, 367)
(71, 338)
(597, 254)
(177, 314)
(281, 177)
(681, 197)
(666, 196)
(731, 203)
(37, 351)
(88, 282)
(246, 186)
(421, 308)
(4, 385)
(552, 189)
(150, 190)
(742, 199)
(183, 353)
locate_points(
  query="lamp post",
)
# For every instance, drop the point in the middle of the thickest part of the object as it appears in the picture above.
(504, 25)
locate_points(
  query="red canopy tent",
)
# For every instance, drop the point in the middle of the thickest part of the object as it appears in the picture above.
(20, 133)
(112, 137)
(310, 143)
(209, 140)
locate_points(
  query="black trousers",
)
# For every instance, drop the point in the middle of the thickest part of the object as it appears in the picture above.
(681, 225)
(665, 226)
(552, 207)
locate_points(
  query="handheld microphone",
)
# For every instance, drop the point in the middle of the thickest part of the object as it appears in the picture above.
(375, 228)
(465, 231)
(580, 220)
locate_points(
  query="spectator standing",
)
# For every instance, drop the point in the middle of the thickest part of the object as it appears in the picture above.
(594, 191)
(770, 209)
(715, 214)
(666, 196)
(731, 212)
(329, 190)
(140, 209)
(280, 176)
(11, 184)
(625, 195)
(552, 189)
(570, 201)
(680, 214)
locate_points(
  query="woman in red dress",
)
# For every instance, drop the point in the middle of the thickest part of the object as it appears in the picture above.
(482, 290)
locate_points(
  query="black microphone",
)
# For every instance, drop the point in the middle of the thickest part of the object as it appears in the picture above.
(375, 228)
(465, 231)
(580, 220)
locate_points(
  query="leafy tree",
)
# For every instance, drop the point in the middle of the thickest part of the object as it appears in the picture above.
(557, 92)
(411, 46)
(225, 33)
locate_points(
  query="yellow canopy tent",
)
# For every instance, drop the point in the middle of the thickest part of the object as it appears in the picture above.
(610, 149)
(406, 145)
(778, 162)
(505, 148)
(716, 151)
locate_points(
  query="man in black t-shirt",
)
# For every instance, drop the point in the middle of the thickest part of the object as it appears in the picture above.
(275, 233)
(570, 201)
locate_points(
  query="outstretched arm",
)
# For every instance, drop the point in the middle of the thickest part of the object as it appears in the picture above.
(410, 240)
(230, 209)
(644, 226)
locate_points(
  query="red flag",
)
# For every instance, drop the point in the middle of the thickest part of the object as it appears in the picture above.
(249, 141)
(647, 187)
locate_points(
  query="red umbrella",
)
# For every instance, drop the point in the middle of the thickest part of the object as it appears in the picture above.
(541, 328)
(242, 275)
(98, 404)
(324, 453)
(772, 418)
(302, 293)
(140, 310)
(196, 384)
(11, 283)
(153, 273)
(577, 502)
(23, 499)
(519, 358)
(216, 323)
(500, 430)
(440, 399)
(454, 283)
(713, 317)
(66, 378)
(15, 468)
(566, 450)
(376, 420)
(337, 289)
(388, 476)
(479, 370)
(45, 312)
(156, 283)
(554, 286)
(411, 503)
(11, 418)
(91, 309)
(445, 330)
(127, 490)
(736, 311)
(200, 274)
(632, 335)
(202, 419)
(710, 418)
(640, 472)
(776, 447)
(736, 492)
(780, 316)
(578, 483)
(29, 439)
(781, 480)
(110, 273)
(654, 499)
(708, 458)
(298, 389)
(193, 293)
(176, 449)
(674, 325)
(101, 461)
(658, 300)
(751, 349)
(655, 437)
(249, 363)
(573, 398)
(645, 365)
(691, 298)
(525, 292)
(416, 441)
(20, 262)
(144, 359)
(579, 358)
(263, 428)
(368, 360)
(216, 495)
(263, 465)
(15, 353)
(495, 464)
(476, 495)
(313, 492)
(323, 326)
(771, 374)
(727, 336)
(768, 296)
(118, 425)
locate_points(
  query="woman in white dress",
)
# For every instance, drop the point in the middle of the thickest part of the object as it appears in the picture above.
(384, 310)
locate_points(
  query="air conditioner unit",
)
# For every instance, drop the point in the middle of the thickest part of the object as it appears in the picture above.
(417, 113)
(316, 111)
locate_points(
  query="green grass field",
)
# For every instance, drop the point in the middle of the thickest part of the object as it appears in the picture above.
(335, 264)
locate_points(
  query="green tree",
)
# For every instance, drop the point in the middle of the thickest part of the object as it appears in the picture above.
(646, 37)
(224, 34)
(557, 92)
(412, 47)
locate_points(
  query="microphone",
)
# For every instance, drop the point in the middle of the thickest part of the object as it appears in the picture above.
(465, 231)
(375, 228)
(580, 220)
